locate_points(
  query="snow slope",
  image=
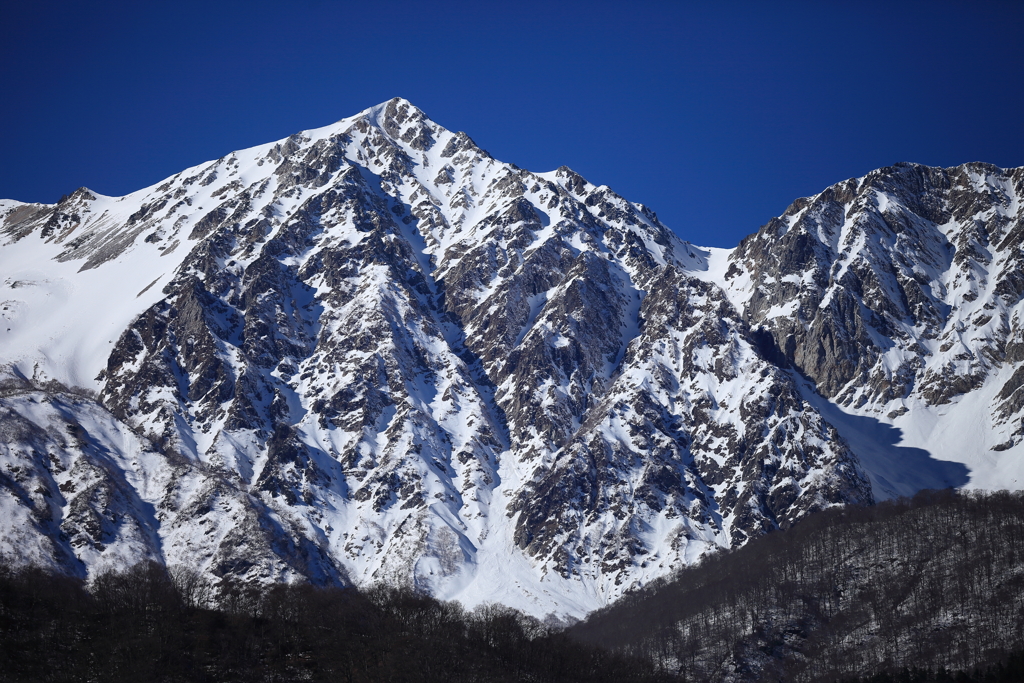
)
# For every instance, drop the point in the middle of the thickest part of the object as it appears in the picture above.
(371, 352)
(899, 297)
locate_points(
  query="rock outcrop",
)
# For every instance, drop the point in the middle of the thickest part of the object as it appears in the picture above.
(371, 352)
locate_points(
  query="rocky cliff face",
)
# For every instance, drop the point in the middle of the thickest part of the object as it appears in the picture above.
(902, 282)
(900, 295)
(371, 352)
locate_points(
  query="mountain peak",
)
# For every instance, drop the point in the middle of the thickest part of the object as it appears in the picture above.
(397, 116)
(393, 104)
(370, 352)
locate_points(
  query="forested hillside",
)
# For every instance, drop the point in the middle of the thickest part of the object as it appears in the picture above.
(930, 589)
(932, 582)
(146, 625)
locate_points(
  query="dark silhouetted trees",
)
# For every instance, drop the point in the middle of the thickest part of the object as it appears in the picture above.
(914, 591)
(148, 624)
(936, 582)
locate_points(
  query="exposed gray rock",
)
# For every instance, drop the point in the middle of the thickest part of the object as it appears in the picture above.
(384, 356)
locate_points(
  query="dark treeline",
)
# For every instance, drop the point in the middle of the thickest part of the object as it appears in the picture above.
(146, 624)
(917, 587)
(1010, 671)
(929, 590)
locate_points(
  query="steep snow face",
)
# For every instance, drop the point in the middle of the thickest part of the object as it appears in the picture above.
(900, 295)
(697, 440)
(70, 477)
(81, 493)
(346, 356)
(371, 352)
(60, 312)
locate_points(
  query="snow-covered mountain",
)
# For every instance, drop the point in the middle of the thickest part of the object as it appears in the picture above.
(899, 297)
(371, 352)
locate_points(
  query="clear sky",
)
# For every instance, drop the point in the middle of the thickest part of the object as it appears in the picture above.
(714, 114)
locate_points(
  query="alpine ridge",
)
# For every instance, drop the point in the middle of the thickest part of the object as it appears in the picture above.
(370, 352)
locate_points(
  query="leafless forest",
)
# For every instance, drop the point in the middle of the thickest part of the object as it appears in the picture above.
(913, 591)
(929, 583)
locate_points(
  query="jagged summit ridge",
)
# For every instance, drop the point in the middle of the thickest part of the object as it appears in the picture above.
(372, 352)
(899, 296)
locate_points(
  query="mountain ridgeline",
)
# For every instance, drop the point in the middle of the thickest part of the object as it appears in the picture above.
(371, 353)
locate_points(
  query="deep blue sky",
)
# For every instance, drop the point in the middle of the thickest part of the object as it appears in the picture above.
(716, 115)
